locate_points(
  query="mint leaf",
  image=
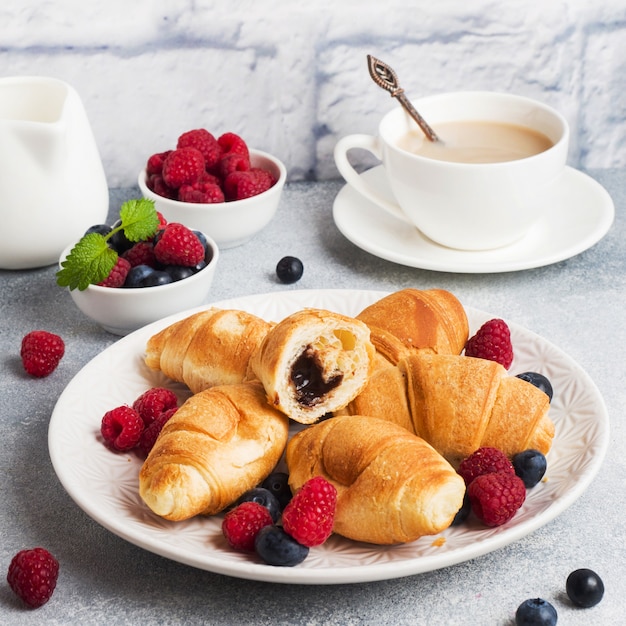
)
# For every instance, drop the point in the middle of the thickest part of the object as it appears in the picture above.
(139, 219)
(89, 262)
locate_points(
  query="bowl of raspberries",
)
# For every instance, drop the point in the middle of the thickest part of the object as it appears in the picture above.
(217, 185)
(138, 270)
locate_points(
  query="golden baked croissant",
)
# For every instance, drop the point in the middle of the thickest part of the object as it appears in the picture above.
(385, 395)
(461, 403)
(209, 348)
(220, 443)
(392, 487)
(432, 319)
(313, 362)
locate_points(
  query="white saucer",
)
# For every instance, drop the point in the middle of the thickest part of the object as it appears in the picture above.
(582, 214)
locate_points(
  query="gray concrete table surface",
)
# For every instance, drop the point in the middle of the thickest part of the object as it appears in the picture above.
(577, 304)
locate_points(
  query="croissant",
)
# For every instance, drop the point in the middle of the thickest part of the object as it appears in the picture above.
(209, 348)
(385, 395)
(460, 403)
(392, 486)
(220, 443)
(313, 362)
(431, 319)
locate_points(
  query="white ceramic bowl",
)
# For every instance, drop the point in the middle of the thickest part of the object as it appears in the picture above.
(121, 311)
(233, 223)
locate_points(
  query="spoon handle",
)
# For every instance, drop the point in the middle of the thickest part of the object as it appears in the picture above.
(384, 76)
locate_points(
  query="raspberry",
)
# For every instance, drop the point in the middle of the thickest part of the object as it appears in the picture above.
(162, 220)
(178, 245)
(142, 253)
(155, 163)
(492, 341)
(157, 184)
(33, 576)
(233, 144)
(205, 193)
(310, 514)
(496, 497)
(121, 428)
(240, 185)
(118, 274)
(41, 352)
(484, 461)
(150, 404)
(205, 142)
(182, 167)
(152, 432)
(232, 163)
(207, 178)
(242, 524)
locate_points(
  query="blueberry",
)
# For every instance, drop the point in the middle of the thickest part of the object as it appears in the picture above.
(530, 466)
(157, 278)
(540, 381)
(584, 588)
(136, 276)
(201, 237)
(118, 241)
(463, 513)
(276, 547)
(101, 229)
(278, 484)
(265, 498)
(535, 612)
(289, 269)
(179, 272)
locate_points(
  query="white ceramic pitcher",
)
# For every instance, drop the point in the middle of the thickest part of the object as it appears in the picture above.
(52, 183)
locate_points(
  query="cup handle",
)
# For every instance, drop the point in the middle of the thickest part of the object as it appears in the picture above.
(355, 180)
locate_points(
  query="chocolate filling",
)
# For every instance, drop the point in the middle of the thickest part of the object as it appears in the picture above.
(306, 375)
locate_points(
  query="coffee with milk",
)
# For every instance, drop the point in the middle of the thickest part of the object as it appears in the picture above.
(477, 142)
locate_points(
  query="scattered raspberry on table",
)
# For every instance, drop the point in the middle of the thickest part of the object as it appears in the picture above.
(33, 576)
(41, 351)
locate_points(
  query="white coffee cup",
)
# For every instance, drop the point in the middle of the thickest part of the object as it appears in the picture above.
(466, 206)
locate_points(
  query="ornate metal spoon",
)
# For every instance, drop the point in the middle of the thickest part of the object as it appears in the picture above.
(386, 78)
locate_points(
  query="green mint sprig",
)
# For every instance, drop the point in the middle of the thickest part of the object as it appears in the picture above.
(91, 260)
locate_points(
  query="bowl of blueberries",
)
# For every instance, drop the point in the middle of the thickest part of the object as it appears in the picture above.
(124, 283)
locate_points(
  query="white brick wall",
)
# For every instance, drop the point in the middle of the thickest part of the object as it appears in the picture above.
(291, 76)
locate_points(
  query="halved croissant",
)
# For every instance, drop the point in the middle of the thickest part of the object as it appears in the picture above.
(209, 348)
(392, 486)
(220, 443)
(313, 362)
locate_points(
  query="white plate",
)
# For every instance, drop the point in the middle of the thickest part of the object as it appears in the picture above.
(105, 484)
(582, 214)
